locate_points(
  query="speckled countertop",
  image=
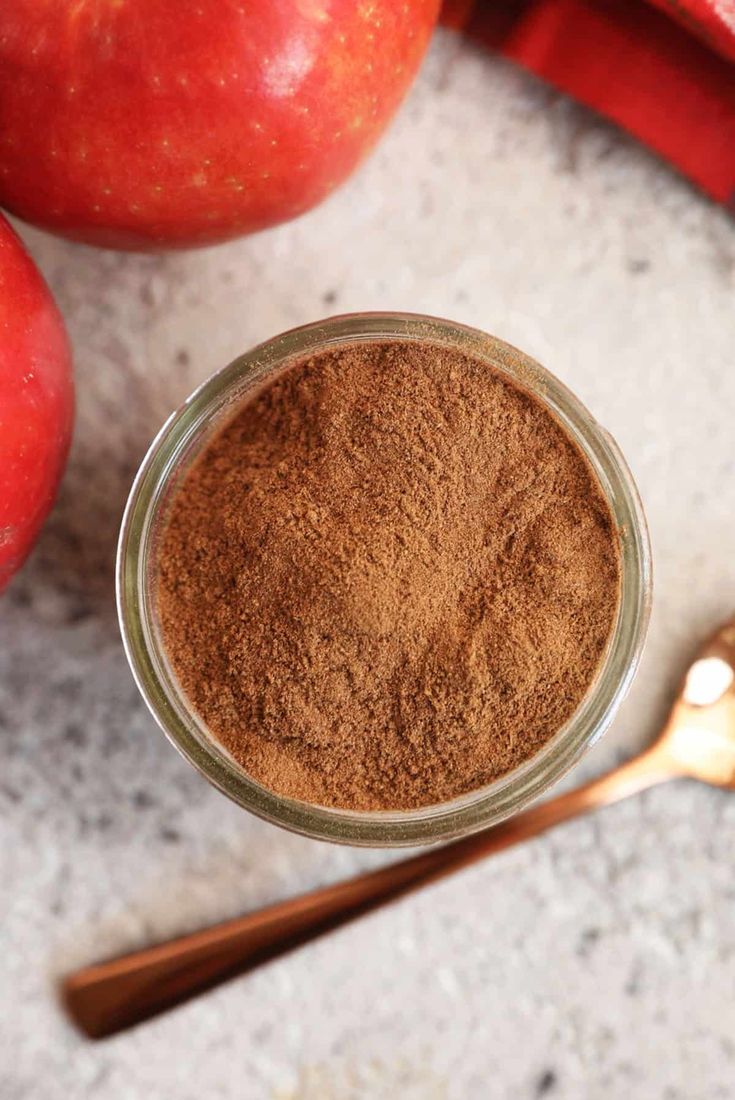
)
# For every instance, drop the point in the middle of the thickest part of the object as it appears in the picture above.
(593, 964)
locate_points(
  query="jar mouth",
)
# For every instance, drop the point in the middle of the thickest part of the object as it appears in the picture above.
(202, 415)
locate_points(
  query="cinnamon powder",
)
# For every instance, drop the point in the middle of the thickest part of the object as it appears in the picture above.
(389, 580)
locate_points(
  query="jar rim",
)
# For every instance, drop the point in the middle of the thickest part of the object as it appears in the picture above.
(202, 413)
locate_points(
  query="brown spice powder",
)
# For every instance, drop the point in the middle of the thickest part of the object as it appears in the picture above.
(389, 580)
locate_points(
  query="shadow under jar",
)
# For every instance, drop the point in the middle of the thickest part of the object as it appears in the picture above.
(185, 438)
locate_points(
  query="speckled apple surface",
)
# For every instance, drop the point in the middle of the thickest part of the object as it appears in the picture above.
(595, 963)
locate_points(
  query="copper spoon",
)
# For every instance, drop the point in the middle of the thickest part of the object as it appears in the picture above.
(698, 741)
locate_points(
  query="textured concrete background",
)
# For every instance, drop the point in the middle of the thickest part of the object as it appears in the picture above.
(598, 962)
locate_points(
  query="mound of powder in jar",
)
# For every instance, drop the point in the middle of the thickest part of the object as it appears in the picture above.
(389, 580)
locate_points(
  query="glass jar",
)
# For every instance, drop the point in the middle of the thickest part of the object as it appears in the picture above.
(182, 439)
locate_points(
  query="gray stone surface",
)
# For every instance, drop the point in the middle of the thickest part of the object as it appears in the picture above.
(596, 963)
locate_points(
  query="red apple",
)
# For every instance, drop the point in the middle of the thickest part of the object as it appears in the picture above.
(36, 401)
(152, 123)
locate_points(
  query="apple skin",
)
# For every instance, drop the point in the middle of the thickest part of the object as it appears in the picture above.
(36, 401)
(147, 124)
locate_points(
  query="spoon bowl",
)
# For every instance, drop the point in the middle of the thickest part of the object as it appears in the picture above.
(698, 739)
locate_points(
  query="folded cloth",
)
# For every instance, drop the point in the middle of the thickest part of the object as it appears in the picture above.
(663, 69)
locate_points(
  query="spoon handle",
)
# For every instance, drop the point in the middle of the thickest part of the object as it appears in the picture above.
(115, 995)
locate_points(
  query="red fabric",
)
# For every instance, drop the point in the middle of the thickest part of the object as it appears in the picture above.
(711, 20)
(669, 81)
